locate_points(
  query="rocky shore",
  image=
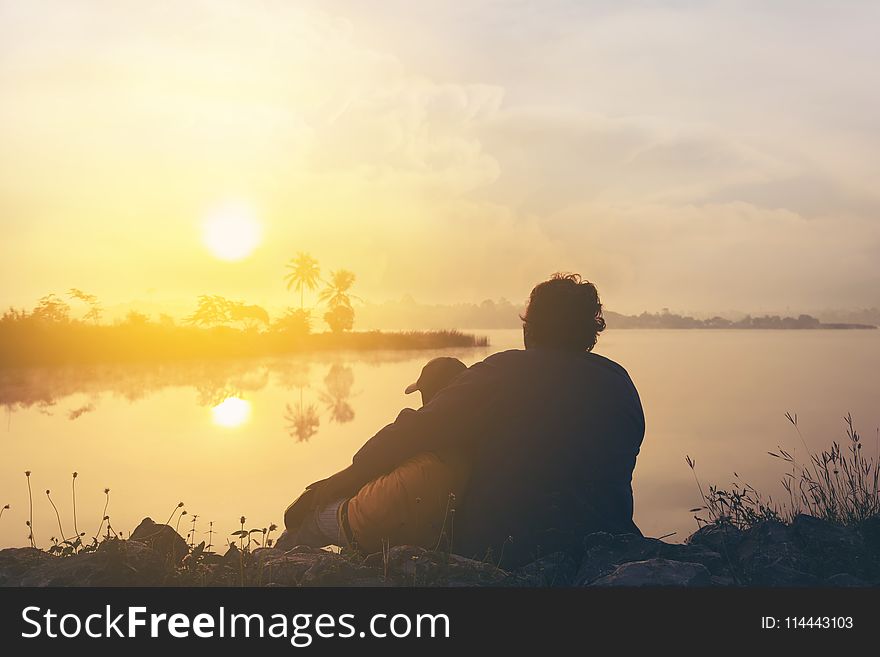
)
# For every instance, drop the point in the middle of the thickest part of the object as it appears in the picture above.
(806, 552)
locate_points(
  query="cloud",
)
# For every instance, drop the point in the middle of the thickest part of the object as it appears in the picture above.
(419, 132)
(688, 155)
(722, 256)
(807, 193)
(550, 158)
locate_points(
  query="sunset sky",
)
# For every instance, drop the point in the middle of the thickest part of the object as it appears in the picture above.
(703, 156)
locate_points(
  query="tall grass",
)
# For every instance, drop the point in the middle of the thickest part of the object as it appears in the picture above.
(840, 484)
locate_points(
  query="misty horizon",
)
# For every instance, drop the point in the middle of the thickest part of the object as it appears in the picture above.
(409, 312)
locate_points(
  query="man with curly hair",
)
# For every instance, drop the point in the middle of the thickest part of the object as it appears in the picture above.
(551, 433)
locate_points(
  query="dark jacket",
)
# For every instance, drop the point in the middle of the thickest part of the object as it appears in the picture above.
(553, 436)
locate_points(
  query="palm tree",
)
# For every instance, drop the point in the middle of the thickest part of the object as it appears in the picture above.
(303, 421)
(340, 316)
(336, 293)
(304, 273)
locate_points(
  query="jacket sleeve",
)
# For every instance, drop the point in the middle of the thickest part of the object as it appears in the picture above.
(456, 416)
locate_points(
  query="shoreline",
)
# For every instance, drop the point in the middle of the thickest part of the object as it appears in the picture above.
(82, 345)
(85, 345)
(806, 552)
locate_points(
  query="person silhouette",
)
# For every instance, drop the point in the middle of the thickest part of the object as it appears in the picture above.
(550, 435)
(408, 506)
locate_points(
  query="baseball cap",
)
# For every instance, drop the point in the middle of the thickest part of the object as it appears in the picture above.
(436, 374)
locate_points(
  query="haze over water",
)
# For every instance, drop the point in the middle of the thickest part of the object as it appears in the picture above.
(232, 438)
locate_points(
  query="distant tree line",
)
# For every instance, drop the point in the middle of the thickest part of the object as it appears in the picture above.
(501, 314)
(214, 310)
(68, 329)
(670, 320)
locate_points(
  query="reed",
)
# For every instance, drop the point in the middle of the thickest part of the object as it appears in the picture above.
(840, 484)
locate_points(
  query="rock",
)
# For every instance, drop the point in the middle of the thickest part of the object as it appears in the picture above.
(781, 575)
(714, 562)
(334, 570)
(869, 530)
(15, 562)
(557, 569)
(768, 555)
(605, 552)
(846, 580)
(304, 549)
(722, 538)
(288, 569)
(262, 555)
(809, 552)
(765, 534)
(407, 565)
(400, 557)
(830, 548)
(114, 563)
(162, 538)
(375, 560)
(657, 572)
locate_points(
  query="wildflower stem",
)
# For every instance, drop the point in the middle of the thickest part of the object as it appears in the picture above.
(57, 515)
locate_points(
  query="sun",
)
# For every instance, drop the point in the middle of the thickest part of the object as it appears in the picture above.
(231, 412)
(232, 232)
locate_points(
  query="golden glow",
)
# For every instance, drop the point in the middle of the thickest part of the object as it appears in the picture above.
(232, 232)
(231, 412)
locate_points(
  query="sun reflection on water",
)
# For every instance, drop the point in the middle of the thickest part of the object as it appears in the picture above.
(231, 412)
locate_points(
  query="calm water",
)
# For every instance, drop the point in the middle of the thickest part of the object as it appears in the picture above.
(243, 437)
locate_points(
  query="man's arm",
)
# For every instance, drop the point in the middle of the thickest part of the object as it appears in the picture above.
(454, 417)
(347, 481)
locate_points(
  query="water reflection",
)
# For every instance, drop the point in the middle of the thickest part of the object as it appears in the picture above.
(75, 413)
(46, 388)
(285, 421)
(337, 392)
(714, 395)
(223, 387)
(231, 412)
(302, 421)
(213, 392)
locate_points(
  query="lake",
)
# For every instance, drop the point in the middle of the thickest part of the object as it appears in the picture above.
(243, 437)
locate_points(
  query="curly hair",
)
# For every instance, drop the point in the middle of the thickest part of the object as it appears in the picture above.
(564, 312)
